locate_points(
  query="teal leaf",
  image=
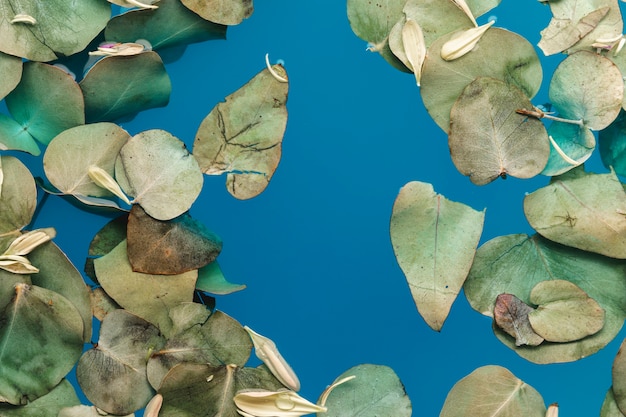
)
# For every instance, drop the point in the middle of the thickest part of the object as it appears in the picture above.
(211, 279)
(577, 142)
(613, 145)
(13, 136)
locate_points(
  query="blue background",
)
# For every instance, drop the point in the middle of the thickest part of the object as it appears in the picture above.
(314, 248)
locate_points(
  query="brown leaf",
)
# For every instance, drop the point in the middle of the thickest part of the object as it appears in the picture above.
(511, 315)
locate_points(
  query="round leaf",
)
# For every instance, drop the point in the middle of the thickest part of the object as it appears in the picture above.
(565, 312)
(577, 142)
(375, 391)
(41, 334)
(61, 396)
(243, 135)
(113, 374)
(18, 198)
(70, 154)
(588, 87)
(493, 391)
(499, 54)
(35, 102)
(61, 28)
(14, 137)
(170, 25)
(225, 12)
(587, 213)
(157, 169)
(119, 86)
(434, 240)
(514, 264)
(488, 139)
(11, 70)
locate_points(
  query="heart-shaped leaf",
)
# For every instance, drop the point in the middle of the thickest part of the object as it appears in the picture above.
(242, 136)
(488, 139)
(434, 240)
(169, 247)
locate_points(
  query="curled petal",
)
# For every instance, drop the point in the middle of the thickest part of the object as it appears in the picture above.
(267, 351)
(414, 47)
(463, 42)
(17, 264)
(24, 18)
(327, 391)
(103, 179)
(461, 4)
(118, 49)
(281, 78)
(262, 403)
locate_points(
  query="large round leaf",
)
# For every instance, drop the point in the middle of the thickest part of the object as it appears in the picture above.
(375, 390)
(157, 169)
(62, 27)
(11, 70)
(70, 155)
(61, 396)
(588, 87)
(169, 25)
(576, 142)
(499, 54)
(18, 198)
(434, 240)
(493, 391)
(14, 137)
(243, 135)
(35, 102)
(225, 12)
(488, 139)
(147, 296)
(119, 86)
(514, 264)
(113, 374)
(41, 334)
(613, 145)
(586, 213)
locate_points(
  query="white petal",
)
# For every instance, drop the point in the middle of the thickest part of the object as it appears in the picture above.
(103, 179)
(267, 351)
(262, 403)
(463, 42)
(414, 47)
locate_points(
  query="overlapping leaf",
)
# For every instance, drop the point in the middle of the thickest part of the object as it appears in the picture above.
(434, 240)
(61, 396)
(576, 142)
(11, 70)
(618, 374)
(211, 279)
(224, 12)
(609, 406)
(613, 145)
(242, 136)
(511, 315)
(18, 198)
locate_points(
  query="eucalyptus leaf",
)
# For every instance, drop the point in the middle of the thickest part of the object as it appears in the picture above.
(169, 247)
(564, 312)
(511, 315)
(111, 235)
(41, 334)
(14, 137)
(488, 139)
(499, 54)
(225, 12)
(159, 172)
(101, 303)
(588, 213)
(113, 373)
(480, 7)
(613, 145)
(577, 142)
(170, 25)
(434, 240)
(118, 86)
(35, 102)
(211, 279)
(11, 70)
(60, 28)
(609, 406)
(376, 390)
(201, 390)
(61, 396)
(514, 264)
(145, 295)
(618, 376)
(70, 155)
(18, 198)
(493, 391)
(242, 136)
(588, 87)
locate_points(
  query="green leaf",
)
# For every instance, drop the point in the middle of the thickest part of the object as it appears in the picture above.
(493, 391)
(111, 235)
(565, 312)
(488, 139)
(18, 198)
(35, 102)
(61, 396)
(499, 54)
(70, 155)
(225, 12)
(169, 247)
(514, 264)
(218, 340)
(118, 86)
(201, 390)
(434, 240)
(170, 25)
(61, 28)
(242, 136)
(480, 7)
(588, 87)
(14, 137)
(613, 145)
(159, 172)
(618, 376)
(11, 70)
(609, 406)
(147, 296)
(375, 391)
(577, 142)
(588, 213)
(41, 334)
(211, 279)
(113, 374)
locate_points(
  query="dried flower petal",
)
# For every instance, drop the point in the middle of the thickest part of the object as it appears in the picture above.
(262, 403)
(104, 180)
(463, 42)
(414, 47)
